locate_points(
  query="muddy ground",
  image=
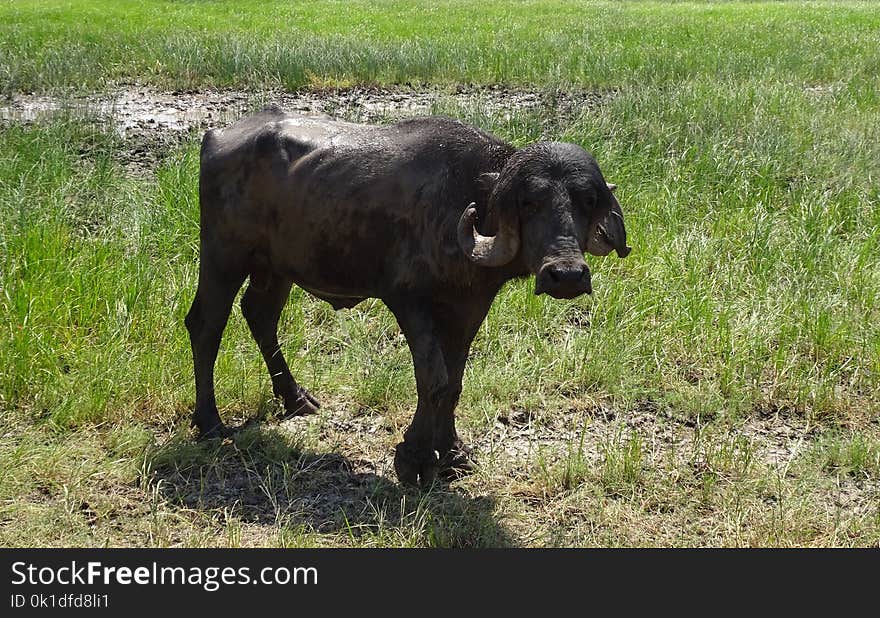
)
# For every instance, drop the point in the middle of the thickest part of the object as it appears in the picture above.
(152, 122)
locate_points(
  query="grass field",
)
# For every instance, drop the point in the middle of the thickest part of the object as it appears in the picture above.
(720, 387)
(594, 44)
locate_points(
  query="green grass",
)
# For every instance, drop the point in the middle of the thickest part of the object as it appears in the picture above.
(745, 138)
(48, 44)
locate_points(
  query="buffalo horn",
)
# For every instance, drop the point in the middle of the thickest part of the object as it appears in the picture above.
(489, 251)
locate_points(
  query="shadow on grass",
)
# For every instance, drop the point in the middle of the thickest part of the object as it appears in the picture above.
(264, 477)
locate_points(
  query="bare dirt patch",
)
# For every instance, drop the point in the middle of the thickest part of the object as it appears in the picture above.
(592, 428)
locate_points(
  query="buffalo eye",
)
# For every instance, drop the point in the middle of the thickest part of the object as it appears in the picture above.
(582, 198)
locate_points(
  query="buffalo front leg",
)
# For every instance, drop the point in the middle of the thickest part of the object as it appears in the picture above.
(205, 322)
(456, 327)
(416, 459)
(261, 306)
(439, 336)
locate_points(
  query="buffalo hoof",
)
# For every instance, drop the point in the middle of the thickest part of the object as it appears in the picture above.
(456, 463)
(216, 432)
(303, 405)
(415, 468)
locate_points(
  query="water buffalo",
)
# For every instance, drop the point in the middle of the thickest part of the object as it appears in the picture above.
(430, 215)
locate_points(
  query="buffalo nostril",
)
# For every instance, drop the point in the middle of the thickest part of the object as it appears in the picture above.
(565, 280)
(573, 274)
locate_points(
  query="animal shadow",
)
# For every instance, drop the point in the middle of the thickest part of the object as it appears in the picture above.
(264, 477)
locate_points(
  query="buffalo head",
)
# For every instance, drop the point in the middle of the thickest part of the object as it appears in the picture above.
(550, 204)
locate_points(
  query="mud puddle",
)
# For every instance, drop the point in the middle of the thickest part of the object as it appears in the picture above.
(151, 121)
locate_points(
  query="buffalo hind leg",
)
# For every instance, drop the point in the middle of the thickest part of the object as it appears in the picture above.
(205, 322)
(261, 306)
